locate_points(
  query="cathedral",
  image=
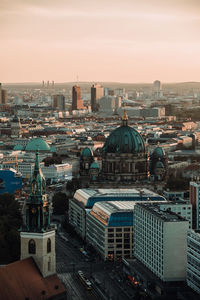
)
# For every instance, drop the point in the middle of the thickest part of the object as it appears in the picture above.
(124, 159)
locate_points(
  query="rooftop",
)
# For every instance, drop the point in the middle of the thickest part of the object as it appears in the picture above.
(166, 216)
(23, 280)
(90, 196)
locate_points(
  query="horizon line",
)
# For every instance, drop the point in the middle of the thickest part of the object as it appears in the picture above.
(91, 82)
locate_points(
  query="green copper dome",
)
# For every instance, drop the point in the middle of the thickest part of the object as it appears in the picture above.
(37, 144)
(124, 139)
(158, 152)
(18, 147)
(94, 165)
(86, 152)
(160, 165)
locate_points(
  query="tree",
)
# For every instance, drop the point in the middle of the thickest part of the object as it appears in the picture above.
(60, 203)
(10, 222)
(73, 185)
(177, 183)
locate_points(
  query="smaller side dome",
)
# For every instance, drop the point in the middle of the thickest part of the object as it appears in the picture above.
(86, 152)
(18, 147)
(160, 165)
(94, 165)
(158, 152)
(53, 149)
(15, 119)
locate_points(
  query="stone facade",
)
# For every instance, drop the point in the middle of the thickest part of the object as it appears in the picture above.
(45, 260)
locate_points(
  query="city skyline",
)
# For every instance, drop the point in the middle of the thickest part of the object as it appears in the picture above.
(119, 42)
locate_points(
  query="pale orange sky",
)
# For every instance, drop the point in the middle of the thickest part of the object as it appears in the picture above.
(99, 40)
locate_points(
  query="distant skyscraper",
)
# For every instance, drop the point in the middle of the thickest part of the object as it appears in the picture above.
(0, 93)
(97, 92)
(77, 102)
(59, 102)
(157, 89)
(3, 96)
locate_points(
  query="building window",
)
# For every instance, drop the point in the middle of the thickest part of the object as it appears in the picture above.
(48, 245)
(49, 265)
(31, 247)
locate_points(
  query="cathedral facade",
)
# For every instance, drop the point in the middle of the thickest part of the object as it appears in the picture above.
(124, 159)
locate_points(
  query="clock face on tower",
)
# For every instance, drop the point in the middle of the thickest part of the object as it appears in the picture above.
(33, 210)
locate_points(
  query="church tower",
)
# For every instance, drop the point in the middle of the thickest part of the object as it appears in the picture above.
(37, 235)
(16, 127)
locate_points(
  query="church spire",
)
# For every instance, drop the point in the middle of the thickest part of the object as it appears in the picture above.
(37, 206)
(38, 185)
(37, 235)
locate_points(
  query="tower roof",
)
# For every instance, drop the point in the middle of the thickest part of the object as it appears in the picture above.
(86, 152)
(158, 152)
(37, 180)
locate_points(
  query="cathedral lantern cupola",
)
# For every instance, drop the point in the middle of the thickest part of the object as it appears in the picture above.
(125, 119)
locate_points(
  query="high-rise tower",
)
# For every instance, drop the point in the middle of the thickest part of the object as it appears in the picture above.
(157, 89)
(77, 102)
(59, 102)
(0, 93)
(37, 235)
(97, 92)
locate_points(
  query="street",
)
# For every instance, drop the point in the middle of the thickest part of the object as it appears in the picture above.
(106, 277)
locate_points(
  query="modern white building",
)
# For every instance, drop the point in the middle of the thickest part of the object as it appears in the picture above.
(194, 200)
(193, 260)
(180, 208)
(53, 172)
(26, 169)
(173, 195)
(160, 241)
(57, 171)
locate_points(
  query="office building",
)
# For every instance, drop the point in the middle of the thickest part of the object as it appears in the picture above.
(0, 93)
(110, 229)
(157, 89)
(97, 92)
(84, 200)
(59, 102)
(160, 241)
(194, 200)
(77, 102)
(4, 97)
(193, 260)
(180, 208)
(109, 104)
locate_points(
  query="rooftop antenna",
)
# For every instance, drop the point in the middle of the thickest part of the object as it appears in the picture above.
(77, 79)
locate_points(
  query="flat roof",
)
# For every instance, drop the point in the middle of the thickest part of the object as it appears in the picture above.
(88, 197)
(167, 216)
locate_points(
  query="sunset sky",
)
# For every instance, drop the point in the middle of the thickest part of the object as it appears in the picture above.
(99, 40)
